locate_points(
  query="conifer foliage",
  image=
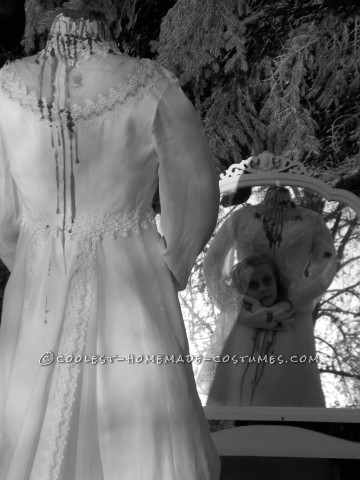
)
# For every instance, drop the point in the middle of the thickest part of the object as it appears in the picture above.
(278, 76)
(281, 76)
(207, 50)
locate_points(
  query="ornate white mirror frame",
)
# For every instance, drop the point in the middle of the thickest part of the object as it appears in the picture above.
(267, 169)
(276, 440)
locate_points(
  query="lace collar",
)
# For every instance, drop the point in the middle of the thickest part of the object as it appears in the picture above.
(71, 39)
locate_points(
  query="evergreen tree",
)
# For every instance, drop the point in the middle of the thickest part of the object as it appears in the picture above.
(281, 76)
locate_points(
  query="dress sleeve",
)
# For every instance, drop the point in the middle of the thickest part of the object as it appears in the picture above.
(9, 209)
(188, 183)
(321, 269)
(218, 263)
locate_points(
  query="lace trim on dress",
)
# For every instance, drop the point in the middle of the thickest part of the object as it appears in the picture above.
(87, 232)
(130, 90)
(74, 48)
(73, 38)
(62, 397)
(94, 228)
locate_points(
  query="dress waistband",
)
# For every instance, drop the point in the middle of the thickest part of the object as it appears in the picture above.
(85, 227)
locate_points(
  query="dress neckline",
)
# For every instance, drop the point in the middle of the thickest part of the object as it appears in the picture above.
(131, 88)
(296, 218)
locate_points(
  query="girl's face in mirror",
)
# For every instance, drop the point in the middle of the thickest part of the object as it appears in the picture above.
(262, 285)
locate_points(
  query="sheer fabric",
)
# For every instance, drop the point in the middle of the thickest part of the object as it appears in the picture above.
(306, 263)
(91, 276)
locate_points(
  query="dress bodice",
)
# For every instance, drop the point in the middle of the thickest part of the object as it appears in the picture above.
(93, 143)
(106, 160)
(293, 254)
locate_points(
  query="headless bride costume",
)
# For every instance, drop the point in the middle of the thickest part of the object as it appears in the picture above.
(86, 135)
(301, 246)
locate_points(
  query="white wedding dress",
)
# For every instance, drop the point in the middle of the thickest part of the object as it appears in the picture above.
(306, 263)
(82, 151)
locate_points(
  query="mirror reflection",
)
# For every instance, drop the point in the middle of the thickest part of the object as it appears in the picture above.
(273, 306)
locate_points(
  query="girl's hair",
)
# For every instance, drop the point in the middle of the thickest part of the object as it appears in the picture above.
(242, 272)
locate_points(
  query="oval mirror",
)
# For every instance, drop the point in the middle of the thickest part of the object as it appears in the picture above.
(302, 349)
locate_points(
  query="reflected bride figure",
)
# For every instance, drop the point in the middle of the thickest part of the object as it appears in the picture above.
(301, 246)
(256, 283)
(86, 134)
